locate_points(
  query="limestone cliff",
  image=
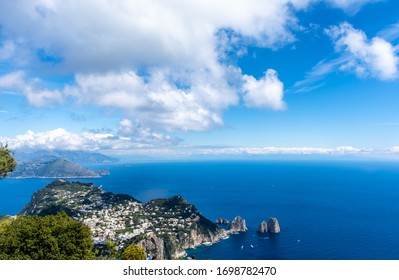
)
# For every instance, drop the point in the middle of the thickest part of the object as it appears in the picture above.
(262, 228)
(273, 225)
(237, 225)
(153, 245)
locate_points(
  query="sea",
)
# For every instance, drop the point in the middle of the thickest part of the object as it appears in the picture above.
(327, 210)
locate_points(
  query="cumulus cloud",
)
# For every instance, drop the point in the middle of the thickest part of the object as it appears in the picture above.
(157, 100)
(64, 140)
(160, 62)
(150, 32)
(136, 131)
(267, 92)
(43, 97)
(14, 81)
(375, 57)
(36, 94)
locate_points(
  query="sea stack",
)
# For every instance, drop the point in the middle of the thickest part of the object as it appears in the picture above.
(262, 228)
(273, 225)
(238, 225)
(221, 221)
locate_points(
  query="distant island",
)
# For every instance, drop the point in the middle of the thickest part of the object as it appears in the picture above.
(54, 168)
(79, 157)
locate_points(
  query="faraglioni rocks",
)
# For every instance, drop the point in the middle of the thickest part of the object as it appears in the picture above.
(273, 225)
(262, 228)
(237, 225)
(221, 221)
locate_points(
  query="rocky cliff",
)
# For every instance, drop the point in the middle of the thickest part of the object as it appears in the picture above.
(222, 221)
(262, 228)
(237, 225)
(273, 225)
(163, 227)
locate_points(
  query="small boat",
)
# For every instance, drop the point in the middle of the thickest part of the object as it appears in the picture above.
(251, 246)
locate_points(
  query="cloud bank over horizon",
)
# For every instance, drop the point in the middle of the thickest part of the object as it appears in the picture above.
(60, 139)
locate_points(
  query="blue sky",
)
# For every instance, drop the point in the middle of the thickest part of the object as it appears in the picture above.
(201, 77)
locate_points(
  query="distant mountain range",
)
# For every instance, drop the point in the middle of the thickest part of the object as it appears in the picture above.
(79, 157)
(55, 168)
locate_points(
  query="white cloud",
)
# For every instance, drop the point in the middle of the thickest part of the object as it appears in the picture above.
(267, 92)
(365, 57)
(14, 81)
(137, 132)
(160, 62)
(376, 58)
(132, 138)
(157, 101)
(7, 50)
(390, 33)
(35, 93)
(65, 140)
(351, 6)
(43, 97)
(314, 78)
(150, 32)
(281, 151)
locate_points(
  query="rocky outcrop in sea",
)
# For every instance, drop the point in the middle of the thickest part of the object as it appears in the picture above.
(273, 225)
(237, 225)
(221, 221)
(262, 228)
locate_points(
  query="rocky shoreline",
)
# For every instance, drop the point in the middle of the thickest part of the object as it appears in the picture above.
(165, 228)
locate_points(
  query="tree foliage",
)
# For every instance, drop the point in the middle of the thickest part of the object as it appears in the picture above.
(54, 237)
(7, 161)
(134, 252)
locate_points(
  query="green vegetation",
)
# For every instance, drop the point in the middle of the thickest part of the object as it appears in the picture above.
(7, 161)
(54, 237)
(107, 251)
(4, 221)
(134, 252)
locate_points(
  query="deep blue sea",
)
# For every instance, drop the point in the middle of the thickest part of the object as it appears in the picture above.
(326, 209)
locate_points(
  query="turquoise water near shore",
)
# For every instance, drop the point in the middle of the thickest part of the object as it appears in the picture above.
(326, 209)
